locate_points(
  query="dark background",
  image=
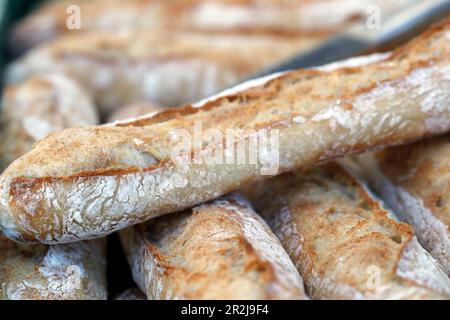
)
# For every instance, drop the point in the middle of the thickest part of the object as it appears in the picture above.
(12, 11)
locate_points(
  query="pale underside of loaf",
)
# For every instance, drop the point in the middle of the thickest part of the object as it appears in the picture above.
(66, 272)
(414, 181)
(301, 18)
(85, 183)
(218, 250)
(343, 243)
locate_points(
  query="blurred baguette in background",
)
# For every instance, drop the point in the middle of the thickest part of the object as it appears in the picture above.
(303, 18)
(32, 109)
(394, 99)
(163, 67)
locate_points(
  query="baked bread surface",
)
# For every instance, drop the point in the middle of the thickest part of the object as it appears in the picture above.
(414, 181)
(85, 183)
(218, 250)
(344, 244)
(300, 18)
(166, 67)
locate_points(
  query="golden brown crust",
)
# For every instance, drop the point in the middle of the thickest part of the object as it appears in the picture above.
(31, 110)
(67, 272)
(422, 169)
(343, 243)
(219, 250)
(414, 180)
(299, 18)
(124, 174)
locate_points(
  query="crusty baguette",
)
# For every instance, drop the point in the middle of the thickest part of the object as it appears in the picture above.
(318, 17)
(414, 181)
(131, 294)
(134, 111)
(169, 68)
(63, 272)
(343, 243)
(29, 111)
(85, 183)
(33, 109)
(218, 250)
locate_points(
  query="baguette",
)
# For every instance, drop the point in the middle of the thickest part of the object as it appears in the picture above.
(168, 68)
(303, 18)
(75, 271)
(31, 110)
(41, 105)
(342, 242)
(88, 182)
(414, 181)
(218, 250)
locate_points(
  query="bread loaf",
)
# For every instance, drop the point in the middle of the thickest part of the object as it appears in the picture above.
(88, 182)
(169, 68)
(302, 18)
(218, 250)
(134, 111)
(343, 243)
(414, 181)
(37, 107)
(30, 111)
(75, 271)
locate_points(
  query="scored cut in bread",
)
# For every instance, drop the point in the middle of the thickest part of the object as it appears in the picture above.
(218, 250)
(344, 244)
(414, 180)
(85, 183)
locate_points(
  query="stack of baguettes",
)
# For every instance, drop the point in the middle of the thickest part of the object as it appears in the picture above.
(310, 232)
(138, 47)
